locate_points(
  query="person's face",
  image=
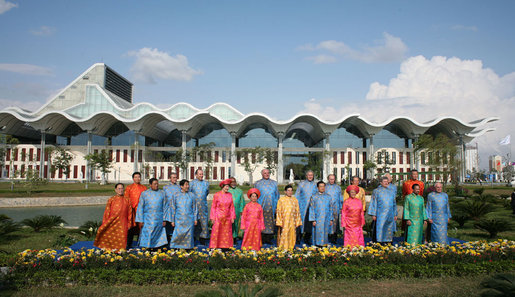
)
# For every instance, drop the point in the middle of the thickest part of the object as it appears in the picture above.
(136, 179)
(355, 181)
(289, 192)
(225, 188)
(331, 179)
(265, 174)
(352, 194)
(119, 190)
(233, 183)
(155, 185)
(253, 197)
(389, 178)
(416, 190)
(414, 175)
(321, 188)
(310, 176)
(173, 178)
(186, 187)
(385, 183)
(200, 175)
(439, 188)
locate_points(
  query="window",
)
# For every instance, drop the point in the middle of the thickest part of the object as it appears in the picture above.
(394, 157)
(379, 157)
(342, 158)
(125, 156)
(408, 158)
(216, 156)
(364, 157)
(224, 156)
(423, 158)
(349, 155)
(335, 158)
(215, 173)
(343, 173)
(357, 157)
(401, 156)
(357, 172)
(386, 157)
(31, 154)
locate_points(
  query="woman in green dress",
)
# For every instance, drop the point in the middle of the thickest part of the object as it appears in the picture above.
(415, 216)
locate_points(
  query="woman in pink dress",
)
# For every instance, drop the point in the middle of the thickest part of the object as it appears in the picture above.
(222, 216)
(353, 218)
(252, 221)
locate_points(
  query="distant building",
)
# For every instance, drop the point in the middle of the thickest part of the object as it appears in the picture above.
(495, 163)
(471, 158)
(96, 111)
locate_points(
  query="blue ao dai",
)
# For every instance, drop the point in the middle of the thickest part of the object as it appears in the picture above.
(438, 210)
(200, 188)
(150, 212)
(303, 194)
(383, 206)
(321, 211)
(268, 201)
(335, 191)
(183, 213)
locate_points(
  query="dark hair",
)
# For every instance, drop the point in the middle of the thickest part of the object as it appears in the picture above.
(288, 187)
(150, 181)
(183, 182)
(414, 170)
(355, 176)
(415, 185)
(136, 173)
(320, 182)
(196, 171)
(116, 186)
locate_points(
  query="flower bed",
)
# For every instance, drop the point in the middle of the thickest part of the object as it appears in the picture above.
(307, 257)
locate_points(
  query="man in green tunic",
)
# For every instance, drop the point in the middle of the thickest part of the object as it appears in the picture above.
(239, 204)
(415, 216)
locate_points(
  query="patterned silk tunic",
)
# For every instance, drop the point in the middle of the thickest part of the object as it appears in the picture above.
(407, 187)
(360, 196)
(253, 223)
(438, 210)
(170, 190)
(321, 211)
(335, 191)
(133, 192)
(115, 224)
(268, 201)
(200, 188)
(239, 204)
(303, 194)
(383, 206)
(288, 218)
(353, 220)
(415, 211)
(222, 213)
(151, 213)
(183, 213)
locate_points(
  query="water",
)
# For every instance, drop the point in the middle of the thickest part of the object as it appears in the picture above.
(73, 215)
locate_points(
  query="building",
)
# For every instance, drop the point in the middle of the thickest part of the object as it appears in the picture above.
(96, 112)
(495, 163)
(471, 158)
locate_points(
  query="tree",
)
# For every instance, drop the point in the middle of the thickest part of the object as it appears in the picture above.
(383, 161)
(441, 154)
(180, 159)
(101, 161)
(253, 157)
(61, 160)
(205, 153)
(369, 165)
(33, 181)
(508, 172)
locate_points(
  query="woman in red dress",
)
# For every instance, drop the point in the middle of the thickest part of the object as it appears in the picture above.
(252, 221)
(222, 215)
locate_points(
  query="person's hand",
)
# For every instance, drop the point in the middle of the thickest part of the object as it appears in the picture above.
(430, 221)
(195, 223)
(314, 223)
(232, 221)
(173, 224)
(164, 224)
(425, 223)
(448, 220)
(140, 225)
(331, 223)
(395, 218)
(408, 222)
(374, 218)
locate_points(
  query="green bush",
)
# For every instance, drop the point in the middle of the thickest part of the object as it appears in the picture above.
(243, 291)
(475, 209)
(494, 226)
(479, 191)
(41, 222)
(501, 284)
(90, 228)
(7, 225)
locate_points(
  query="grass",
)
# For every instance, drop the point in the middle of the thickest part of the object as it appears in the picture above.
(449, 286)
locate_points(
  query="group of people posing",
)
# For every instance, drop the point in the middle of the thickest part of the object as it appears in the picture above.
(178, 214)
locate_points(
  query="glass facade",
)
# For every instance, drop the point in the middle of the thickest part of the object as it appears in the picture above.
(258, 137)
(341, 138)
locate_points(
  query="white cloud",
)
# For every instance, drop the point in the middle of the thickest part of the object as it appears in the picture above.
(6, 6)
(389, 49)
(26, 69)
(43, 31)
(464, 28)
(152, 64)
(322, 59)
(426, 89)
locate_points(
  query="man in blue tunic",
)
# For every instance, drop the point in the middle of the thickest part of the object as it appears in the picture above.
(383, 210)
(200, 188)
(303, 194)
(268, 201)
(335, 191)
(182, 214)
(321, 212)
(391, 186)
(438, 214)
(150, 216)
(170, 190)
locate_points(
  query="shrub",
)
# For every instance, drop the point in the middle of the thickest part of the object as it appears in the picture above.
(494, 226)
(479, 191)
(460, 218)
(243, 291)
(501, 284)
(41, 222)
(7, 225)
(475, 209)
(90, 228)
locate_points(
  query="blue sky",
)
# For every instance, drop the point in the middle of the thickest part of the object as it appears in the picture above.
(298, 56)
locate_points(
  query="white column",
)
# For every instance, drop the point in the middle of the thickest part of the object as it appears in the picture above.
(371, 153)
(326, 157)
(280, 167)
(233, 154)
(42, 155)
(462, 158)
(415, 154)
(88, 167)
(135, 165)
(183, 147)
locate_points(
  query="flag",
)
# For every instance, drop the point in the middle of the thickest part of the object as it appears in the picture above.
(505, 140)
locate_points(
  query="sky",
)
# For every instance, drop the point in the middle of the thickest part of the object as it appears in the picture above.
(421, 59)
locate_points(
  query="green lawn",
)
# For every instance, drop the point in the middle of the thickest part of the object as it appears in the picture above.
(450, 286)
